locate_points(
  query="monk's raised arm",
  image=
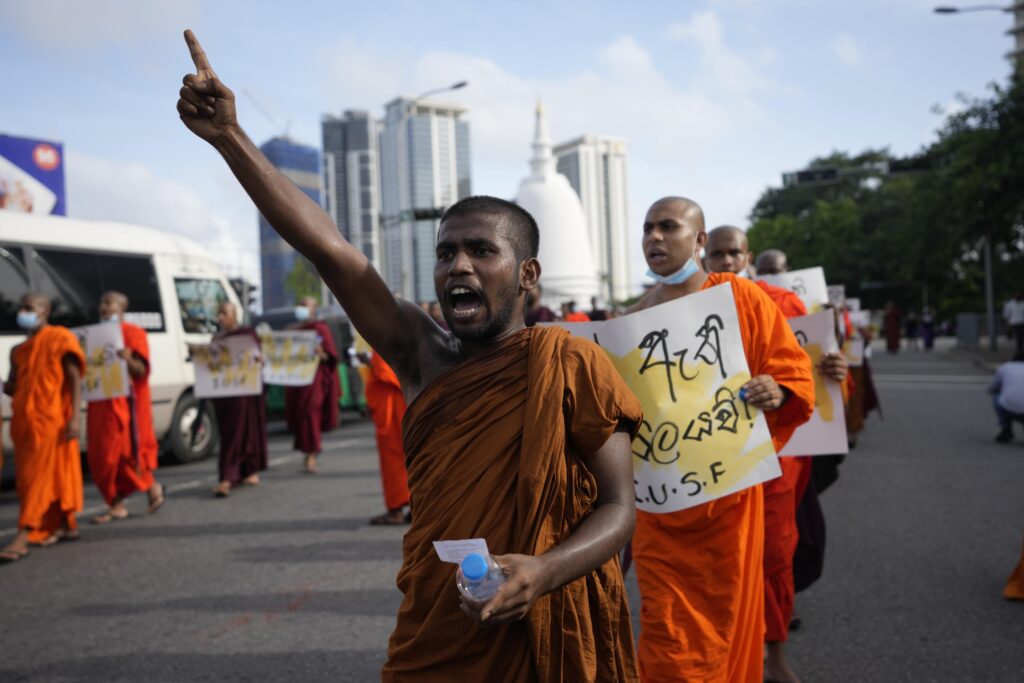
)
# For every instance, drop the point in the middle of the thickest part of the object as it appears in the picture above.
(392, 327)
(604, 532)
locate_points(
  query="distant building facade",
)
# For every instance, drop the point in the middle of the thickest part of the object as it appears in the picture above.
(596, 168)
(301, 165)
(352, 179)
(424, 166)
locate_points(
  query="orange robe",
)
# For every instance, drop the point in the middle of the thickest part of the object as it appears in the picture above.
(498, 448)
(781, 498)
(386, 404)
(700, 570)
(577, 317)
(121, 444)
(48, 467)
(1015, 585)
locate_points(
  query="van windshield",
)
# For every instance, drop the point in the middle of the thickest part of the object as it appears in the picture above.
(198, 301)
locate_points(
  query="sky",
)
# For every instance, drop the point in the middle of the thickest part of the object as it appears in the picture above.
(717, 98)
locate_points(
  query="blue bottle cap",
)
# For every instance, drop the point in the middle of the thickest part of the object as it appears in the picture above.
(474, 566)
(743, 393)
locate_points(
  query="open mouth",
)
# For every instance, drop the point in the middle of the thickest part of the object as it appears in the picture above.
(656, 257)
(464, 302)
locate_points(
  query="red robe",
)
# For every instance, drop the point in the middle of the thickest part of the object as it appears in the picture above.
(48, 467)
(242, 422)
(781, 498)
(313, 409)
(122, 445)
(700, 570)
(386, 403)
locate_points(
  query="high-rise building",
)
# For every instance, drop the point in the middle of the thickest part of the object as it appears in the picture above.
(424, 162)
(301, 165)
(352, 179)
(596, 169)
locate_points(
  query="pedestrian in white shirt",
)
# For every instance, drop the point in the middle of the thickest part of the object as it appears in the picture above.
(1007, 389)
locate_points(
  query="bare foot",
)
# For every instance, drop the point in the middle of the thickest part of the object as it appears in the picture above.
(311, 463)
(114, 512)
(252, 480)
(16, 549)
(390, 518)
(156, 497)
(776, 668)
(222, 490)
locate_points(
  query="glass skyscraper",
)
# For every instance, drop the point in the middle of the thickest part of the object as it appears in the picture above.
(424, 163)
(352, 179)
(300, 164)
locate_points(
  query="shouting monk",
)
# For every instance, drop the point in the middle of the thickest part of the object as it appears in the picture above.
(700, 570)
(386, 403)
(517, 435)
(46, 392)
(241, 420)
(313, 409)
(122, 445)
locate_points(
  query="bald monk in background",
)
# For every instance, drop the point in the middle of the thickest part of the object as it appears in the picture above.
(517, 435)
(700, 570)
(122, 447)
(313, 409)
(45, 386)
(728, 252)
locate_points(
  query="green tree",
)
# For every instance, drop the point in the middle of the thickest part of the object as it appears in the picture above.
(303, 281)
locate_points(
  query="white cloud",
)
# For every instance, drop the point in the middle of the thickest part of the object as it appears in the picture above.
(101, 189)
(676, 120)
(847, 50)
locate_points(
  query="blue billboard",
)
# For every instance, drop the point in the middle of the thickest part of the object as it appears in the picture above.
(32, 176)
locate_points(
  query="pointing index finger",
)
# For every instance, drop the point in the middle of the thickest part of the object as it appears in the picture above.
(203, 67)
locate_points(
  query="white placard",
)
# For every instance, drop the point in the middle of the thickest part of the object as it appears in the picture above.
(289, 357)
(825, 432)
(853, 349)
(853, 304)
(684, 360)
(456, 551)
(106, 373)
(808, 284)
(837, 295)
(860, 319)
(227, 367)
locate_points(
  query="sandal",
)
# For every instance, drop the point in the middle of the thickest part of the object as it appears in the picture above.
(12, 556)
(387, 520)
(108, 517)
(158, 500)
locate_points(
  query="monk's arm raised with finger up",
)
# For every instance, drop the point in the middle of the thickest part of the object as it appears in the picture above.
(392, 327)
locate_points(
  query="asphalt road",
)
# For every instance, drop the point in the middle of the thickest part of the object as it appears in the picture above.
(287, 582)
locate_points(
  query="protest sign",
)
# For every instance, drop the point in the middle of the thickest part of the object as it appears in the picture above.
(227, 367)
(825, 432)
(106, 373)
(860, 319)
(853, 304)
(290, 357)
(808, 284)
(853, 349)
(837, 295)
(684, 360)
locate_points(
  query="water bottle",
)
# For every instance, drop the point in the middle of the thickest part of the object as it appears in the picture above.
(479, 577)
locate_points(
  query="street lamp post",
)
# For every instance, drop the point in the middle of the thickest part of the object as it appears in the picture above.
(402, 185)
(947, 9)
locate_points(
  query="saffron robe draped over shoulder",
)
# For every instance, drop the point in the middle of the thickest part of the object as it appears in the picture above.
(701, 570)
(386, 404)
(122, 446)
(497, 448)
(313, 409)
(242, 422)
(782, 496)
(48, 467)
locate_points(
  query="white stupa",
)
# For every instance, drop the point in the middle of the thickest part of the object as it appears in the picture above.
(566, 260)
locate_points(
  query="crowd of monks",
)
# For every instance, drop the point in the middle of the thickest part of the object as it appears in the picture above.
(521, 435)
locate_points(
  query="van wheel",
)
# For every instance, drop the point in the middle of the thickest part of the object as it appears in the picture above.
(207, 440)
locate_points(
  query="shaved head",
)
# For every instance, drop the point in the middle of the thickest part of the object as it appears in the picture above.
(673, 234)
(727, 250)
(112, 304)
(35, 300)
(772, 262)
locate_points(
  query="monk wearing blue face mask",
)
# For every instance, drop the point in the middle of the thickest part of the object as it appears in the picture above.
(45, 390)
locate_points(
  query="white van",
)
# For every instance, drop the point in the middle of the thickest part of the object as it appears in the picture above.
(173, 286)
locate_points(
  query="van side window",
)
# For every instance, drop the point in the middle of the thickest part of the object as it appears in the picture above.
(72, 281)
(14, 284)
(198, 301)
(134, 277)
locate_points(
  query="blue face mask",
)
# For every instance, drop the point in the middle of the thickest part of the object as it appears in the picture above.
(301, 313)
(28, 320)
(688, 270)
